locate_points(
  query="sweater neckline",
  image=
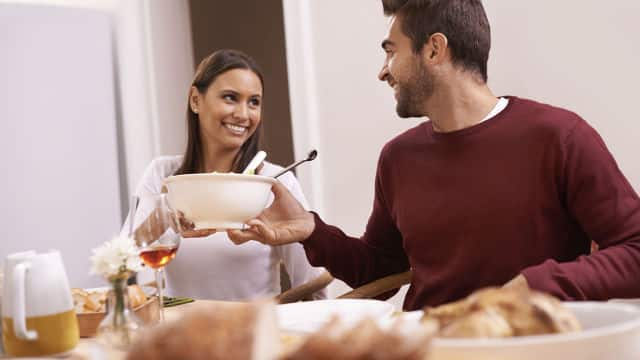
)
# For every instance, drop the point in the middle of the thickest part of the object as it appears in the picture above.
(494, 121)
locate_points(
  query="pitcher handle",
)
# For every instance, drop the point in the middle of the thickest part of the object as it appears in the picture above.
(19, 304)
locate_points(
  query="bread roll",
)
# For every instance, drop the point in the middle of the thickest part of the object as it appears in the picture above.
(500, 312)
(550, 309)
(79, 297)
(137, 297)
(95, 300)
(486, 323)
(364, 341)
(242, 332)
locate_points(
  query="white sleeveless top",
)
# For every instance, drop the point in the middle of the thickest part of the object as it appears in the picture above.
(213, 267)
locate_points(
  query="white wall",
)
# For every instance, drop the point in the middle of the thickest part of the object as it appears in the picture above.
(60, 185)
(170, 52)
(153, 66)
(583, 55)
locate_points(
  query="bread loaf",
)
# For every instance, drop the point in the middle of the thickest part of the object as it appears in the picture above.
(137, 297)
(242, 332)
(500, 312)
(366, 340)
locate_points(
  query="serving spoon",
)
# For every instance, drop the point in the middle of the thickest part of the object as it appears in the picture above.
(254, 163)
(312, 155)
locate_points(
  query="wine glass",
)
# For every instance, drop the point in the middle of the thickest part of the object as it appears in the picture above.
(154, 226)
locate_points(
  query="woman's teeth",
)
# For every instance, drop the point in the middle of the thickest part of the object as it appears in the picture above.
(236, 129)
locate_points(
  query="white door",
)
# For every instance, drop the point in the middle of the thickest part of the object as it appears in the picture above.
(60, 181)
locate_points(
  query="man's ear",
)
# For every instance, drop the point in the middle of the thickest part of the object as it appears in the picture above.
(435, 50)
(194, 99)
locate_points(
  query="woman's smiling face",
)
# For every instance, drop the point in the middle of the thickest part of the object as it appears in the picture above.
(230, 110)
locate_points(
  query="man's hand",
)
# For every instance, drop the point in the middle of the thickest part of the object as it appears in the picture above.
(518, 283)
(284, 222)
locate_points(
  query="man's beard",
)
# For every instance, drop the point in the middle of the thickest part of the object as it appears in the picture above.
(413, 93)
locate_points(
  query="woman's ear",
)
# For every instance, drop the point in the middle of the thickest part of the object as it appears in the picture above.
(194, 99)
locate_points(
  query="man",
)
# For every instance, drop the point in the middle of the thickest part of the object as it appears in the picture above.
(489, 191)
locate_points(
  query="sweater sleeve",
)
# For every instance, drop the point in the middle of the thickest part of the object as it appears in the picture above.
(357, 261)
(602, 201)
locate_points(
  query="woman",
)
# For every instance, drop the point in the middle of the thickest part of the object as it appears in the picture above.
(224, 122)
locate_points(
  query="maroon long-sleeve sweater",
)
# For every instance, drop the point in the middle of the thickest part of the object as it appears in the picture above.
(524, 192)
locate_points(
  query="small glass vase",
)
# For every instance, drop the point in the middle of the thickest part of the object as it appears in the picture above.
(118, 328)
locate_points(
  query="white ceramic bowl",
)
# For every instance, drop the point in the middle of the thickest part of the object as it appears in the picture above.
(309, 316)
(219, 201)
(610, 331)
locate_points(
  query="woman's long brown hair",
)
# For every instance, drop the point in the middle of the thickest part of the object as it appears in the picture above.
(208, 70)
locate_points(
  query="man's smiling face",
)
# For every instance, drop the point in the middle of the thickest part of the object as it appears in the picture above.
(405, 72)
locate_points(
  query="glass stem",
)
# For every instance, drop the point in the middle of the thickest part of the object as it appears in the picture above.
(159, 284)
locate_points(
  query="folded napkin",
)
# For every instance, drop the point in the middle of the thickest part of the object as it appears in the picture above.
(175, 301)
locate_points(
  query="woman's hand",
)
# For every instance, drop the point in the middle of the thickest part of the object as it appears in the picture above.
(188, 230)
(284, 222)
(197, 233)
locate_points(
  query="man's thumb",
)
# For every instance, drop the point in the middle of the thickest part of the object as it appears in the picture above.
(278, 190)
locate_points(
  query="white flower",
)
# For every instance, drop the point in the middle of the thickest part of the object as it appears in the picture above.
(115, 257)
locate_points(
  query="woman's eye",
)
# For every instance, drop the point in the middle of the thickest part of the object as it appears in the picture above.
(229, 97)
(254, 102)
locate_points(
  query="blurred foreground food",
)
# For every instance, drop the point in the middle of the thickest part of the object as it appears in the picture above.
(245, 331)
(249, 332)
(364, 341)
(499, 312)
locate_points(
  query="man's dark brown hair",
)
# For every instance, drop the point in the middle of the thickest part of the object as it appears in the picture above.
(463, 22)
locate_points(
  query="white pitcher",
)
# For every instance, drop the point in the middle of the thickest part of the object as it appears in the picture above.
(37, 310)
